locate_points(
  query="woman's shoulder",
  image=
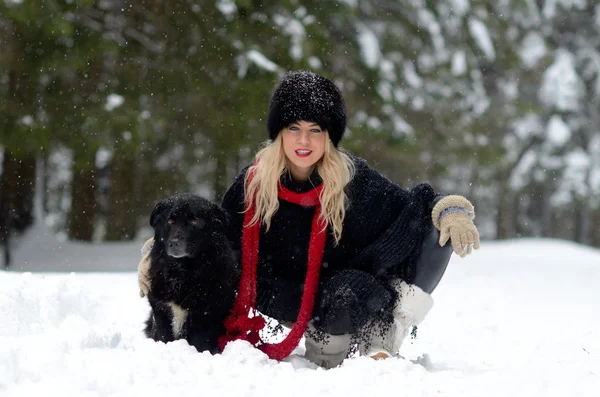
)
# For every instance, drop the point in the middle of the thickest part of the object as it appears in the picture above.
(371, 185)
(234, 196)
(240, 178)
(366, 175)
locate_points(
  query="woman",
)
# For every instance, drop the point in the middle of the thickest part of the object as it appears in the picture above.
(328, 245)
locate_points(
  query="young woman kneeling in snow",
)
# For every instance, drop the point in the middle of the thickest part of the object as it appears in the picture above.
(329, 246)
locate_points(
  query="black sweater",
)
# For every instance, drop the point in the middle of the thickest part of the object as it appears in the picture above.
(383, 229)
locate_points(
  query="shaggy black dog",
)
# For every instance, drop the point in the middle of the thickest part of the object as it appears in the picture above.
(193, 272)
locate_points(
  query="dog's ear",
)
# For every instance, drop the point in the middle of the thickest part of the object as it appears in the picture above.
(157, 211)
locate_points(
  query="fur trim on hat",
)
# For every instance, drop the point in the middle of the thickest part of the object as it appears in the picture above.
(306, 96)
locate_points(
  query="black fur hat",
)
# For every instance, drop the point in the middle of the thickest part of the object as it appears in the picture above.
(307, 96)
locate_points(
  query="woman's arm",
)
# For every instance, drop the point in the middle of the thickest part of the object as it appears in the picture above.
(397, 220)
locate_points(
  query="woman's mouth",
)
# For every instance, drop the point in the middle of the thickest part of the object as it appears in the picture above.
(303, 153)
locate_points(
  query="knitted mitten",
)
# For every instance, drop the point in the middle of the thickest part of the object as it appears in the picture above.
(453, 217)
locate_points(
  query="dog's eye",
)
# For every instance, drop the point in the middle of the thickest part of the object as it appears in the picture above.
(198, 222)
(170, 221)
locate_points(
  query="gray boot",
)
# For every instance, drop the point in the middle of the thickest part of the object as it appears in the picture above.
(325, 350)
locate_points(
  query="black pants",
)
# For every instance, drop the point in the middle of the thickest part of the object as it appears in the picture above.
(432, 263)
(353, 297)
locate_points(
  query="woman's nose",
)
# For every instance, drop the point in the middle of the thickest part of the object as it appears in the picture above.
(303, 138)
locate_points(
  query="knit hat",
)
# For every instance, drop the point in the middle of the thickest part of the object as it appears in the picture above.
(306, 96)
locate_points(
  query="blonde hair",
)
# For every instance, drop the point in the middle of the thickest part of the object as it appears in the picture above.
(335, 168)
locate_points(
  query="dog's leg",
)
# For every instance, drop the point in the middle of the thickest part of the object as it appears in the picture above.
(160, 322)
(203, 333)
(178, 318)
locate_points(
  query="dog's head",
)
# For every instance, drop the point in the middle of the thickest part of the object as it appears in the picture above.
(188, 224)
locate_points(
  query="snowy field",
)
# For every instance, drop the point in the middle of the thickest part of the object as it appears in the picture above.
(517, 318)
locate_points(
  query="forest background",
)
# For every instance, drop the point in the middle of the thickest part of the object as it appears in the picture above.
(111, 105)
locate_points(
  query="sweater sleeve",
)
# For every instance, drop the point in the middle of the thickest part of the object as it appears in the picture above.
(399, 217)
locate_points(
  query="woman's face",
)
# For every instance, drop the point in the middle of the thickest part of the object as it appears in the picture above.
(304, 145)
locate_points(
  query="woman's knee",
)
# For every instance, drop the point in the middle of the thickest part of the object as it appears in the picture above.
(432, 262)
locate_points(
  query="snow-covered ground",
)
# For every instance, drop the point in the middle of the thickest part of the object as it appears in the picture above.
(517, 318)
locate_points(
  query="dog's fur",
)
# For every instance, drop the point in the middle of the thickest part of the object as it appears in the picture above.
(193, 272)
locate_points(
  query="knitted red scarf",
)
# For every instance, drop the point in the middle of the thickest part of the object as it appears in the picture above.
(238, 324)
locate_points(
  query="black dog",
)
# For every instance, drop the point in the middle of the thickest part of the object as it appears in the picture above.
(193, 272)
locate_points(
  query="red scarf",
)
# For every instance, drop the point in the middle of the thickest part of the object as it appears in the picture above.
(238, 324)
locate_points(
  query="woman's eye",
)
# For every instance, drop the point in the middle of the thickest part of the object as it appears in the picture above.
(315, 131)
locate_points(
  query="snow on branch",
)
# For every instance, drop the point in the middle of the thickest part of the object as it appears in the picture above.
(562, 88)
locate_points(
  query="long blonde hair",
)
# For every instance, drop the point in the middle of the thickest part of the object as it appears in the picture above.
(335, 168)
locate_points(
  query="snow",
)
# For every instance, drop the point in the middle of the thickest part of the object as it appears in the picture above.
(103, 157)
(27, 120)
(314, 62)
(411, 75)
(227, 8)
(384, 89)
(558, 131)
(591, 70)
(261, 60)
(561, 86)
(459, 63)
(401, 128)
(428, 20)
(520, 175)
(295, 30)
(515, 318)
(460, 7)
(254, 57)
(577, 165)
(550, 6)
(350, 3)
(533, 49)
(113, 101)
(481, 35)
(387, 70)
(257, 58)
(369, 46)
(573, 184)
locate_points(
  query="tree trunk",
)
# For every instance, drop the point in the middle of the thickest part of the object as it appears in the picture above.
(122, 203)
(504, 227)
(83, 197)
(595, 228)
(580, 223)
(17, 186)
(546, 212)
(220, 176)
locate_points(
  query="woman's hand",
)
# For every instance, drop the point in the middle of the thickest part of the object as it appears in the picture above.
(144, 268)
(453, 217)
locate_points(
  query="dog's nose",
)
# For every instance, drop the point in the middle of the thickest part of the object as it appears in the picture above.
(175, 242)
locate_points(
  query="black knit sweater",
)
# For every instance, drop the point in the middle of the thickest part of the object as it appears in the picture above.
(383, 229)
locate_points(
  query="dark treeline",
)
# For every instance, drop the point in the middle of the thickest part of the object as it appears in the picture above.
(116, 104)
